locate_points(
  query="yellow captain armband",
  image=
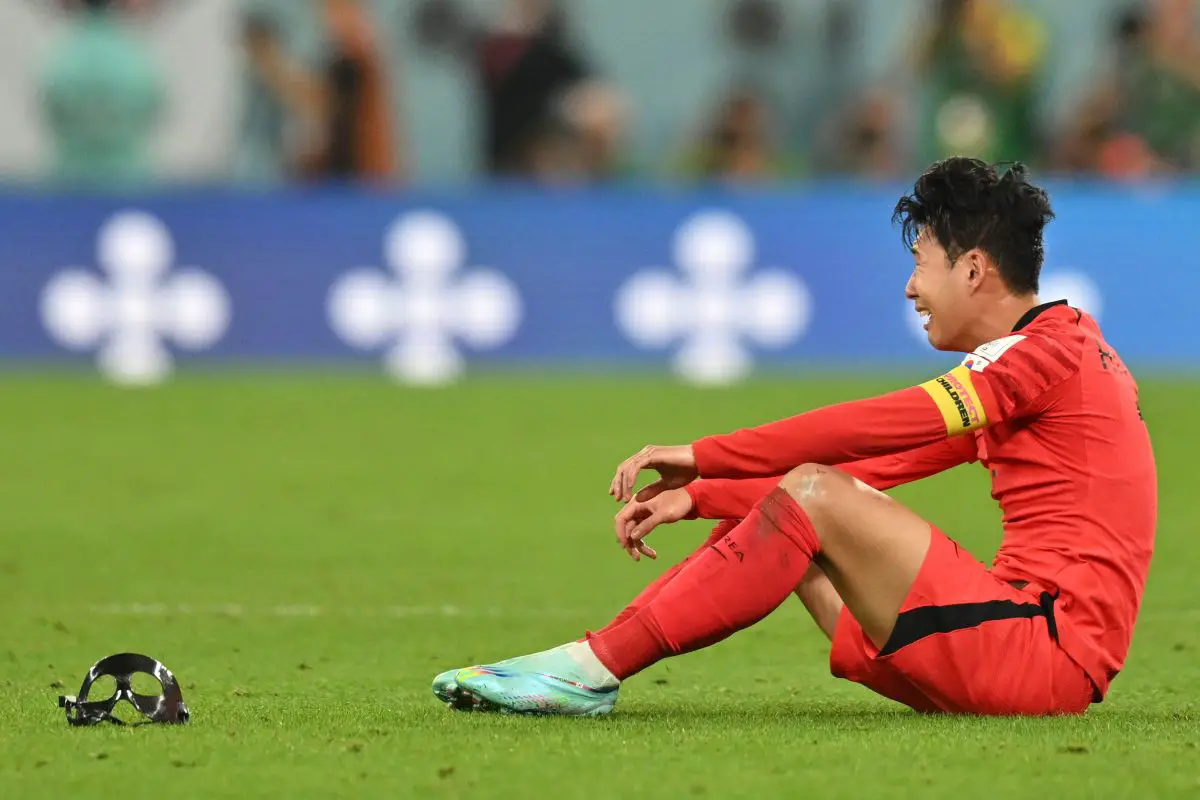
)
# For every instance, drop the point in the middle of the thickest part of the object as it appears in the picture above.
(958, 400)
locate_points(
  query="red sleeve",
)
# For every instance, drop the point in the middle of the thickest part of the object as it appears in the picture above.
(886, 472)
(726, 498)
(1009, 378)
(852, 431)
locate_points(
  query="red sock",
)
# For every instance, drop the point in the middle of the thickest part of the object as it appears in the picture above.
(730, 585)
(650, 592)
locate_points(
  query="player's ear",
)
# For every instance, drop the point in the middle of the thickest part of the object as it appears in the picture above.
(976, 264)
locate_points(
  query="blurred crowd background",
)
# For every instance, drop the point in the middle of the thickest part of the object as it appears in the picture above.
(118, 94)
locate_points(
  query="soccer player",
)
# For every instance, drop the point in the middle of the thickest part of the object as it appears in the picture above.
(1041, 400)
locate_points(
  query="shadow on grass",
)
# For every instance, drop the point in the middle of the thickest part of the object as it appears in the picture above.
(856, 716)
(870, 715)
(750, 713)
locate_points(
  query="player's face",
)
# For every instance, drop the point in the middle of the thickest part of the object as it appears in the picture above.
(939, 294)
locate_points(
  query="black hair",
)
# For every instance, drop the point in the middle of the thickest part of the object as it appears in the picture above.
(965, 203)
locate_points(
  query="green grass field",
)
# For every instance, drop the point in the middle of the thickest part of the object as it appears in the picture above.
(306, 552)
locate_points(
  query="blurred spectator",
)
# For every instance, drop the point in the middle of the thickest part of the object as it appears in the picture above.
(340, 113)
(739, 143)
(595, 117)
(356, 125)
(863, 140)
(545, 115)
(262, 148)
(861, 136)
(980, 65)
(102, 101)
(1144, 117)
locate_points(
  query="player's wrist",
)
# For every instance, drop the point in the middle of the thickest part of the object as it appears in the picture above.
(688, 454)
(693, 492)
(701, 460)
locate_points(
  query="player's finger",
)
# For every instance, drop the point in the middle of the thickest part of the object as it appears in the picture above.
(618, 480)
(628, 519)
(632, 523)
(621, 478)
(614, 488)
(629, 479)
(623, 521)
(643, 528)
(621, 527)
(647, 550)
(623, 493)
(629, 510)
(628, 471)
(630, 549)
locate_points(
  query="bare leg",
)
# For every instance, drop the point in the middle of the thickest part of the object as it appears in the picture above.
(871, 547)
(821, 599)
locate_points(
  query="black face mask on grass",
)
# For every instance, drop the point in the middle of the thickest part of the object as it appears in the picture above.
(167, 707)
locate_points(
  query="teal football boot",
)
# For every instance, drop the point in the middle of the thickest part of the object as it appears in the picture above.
(446, 689)
(543, 683)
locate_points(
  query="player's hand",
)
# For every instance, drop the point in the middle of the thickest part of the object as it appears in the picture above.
(676, 467)
(640, 516)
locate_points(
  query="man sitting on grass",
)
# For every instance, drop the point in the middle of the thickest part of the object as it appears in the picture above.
(1041, 400)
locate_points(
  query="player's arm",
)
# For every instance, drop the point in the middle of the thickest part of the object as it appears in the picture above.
(1023, 383)
(1011, 378)
(838, 434)
(949, 405)
(730, 498)
(897, 469)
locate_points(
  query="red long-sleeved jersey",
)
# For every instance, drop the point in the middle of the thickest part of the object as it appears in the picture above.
(1052, 413)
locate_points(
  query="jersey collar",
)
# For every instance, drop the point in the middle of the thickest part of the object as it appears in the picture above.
(1032, 314)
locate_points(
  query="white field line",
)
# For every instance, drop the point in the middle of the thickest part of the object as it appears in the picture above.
(304, 610)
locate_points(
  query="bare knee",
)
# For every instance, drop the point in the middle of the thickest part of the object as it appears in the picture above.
(825, 493)
(814, 486)
(805, 481)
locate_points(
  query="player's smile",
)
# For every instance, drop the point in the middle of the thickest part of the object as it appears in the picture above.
(926, 279)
